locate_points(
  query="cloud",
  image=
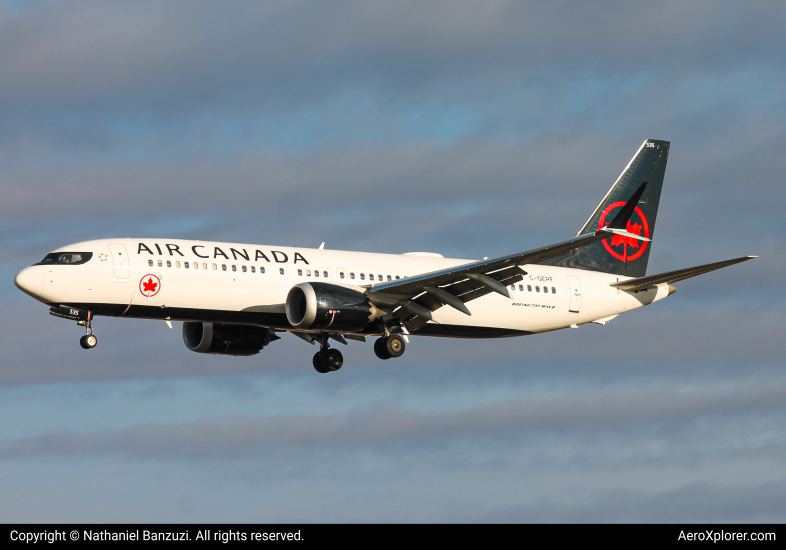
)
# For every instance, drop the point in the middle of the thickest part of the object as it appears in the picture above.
(135, 50)
(388, 425)
(695, 503)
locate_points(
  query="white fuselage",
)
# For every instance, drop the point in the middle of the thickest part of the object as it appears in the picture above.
(248, 284)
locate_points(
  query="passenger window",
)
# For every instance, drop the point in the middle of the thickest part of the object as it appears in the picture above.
(185, 264)
(234, 267)
(351, 275)
(324, 274)
(379, 277)
(196, 265)
(281, 270)
(553, 290)
(262, 269)
(521, 287)
(253, 269)
(300, 272)
(537, 289)
(341, 274)
(159, 263)
(168, 263)
(150, 263)
(308, 273)
(223, 267)
(362, 276)
(390, 278)
(529, 288)
(397, 277)
(316, 273)
(204, 265)
(370, 276)
(244, 269)
(512, 287)
(215, 267)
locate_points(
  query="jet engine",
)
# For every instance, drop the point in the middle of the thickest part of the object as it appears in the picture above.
(329, 307)
(221, 339)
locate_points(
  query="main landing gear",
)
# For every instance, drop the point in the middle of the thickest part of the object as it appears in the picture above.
(327, 359)
(389, 346)
(89, 340)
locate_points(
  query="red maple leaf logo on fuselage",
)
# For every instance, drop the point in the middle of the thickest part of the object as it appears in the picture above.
(618, 240)
(149, 285)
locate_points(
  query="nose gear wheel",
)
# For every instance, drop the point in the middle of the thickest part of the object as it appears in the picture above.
(88, 341)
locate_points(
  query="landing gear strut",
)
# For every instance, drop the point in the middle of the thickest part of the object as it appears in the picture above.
(89, 340)
(389, 346)
(327, 359)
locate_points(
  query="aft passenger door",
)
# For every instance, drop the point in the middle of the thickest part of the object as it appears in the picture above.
(575, 293)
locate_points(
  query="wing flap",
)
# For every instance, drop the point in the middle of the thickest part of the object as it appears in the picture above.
(462, 291)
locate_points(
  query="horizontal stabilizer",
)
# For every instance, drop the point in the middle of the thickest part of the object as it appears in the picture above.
(675, 276)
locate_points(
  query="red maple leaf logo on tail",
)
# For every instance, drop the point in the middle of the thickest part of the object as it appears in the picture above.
(150, 286)
(618, 240)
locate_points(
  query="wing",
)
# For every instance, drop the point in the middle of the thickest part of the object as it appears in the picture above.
(675, 276)
(413, 299)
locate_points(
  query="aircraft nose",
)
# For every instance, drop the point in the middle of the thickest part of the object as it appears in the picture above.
(31, 280)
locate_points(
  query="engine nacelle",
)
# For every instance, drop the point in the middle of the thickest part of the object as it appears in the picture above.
(221, 339)
(329, 306)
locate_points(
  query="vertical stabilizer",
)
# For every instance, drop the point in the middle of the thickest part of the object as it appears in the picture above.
(619, 254)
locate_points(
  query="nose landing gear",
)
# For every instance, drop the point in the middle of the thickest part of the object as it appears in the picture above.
(89, 340)
(83, 318)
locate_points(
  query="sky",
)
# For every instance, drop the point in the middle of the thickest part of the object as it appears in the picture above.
(468, 128)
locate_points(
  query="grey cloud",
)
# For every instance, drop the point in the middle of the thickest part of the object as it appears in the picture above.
(388, 425)
(695, 503)
(526, 184)
(85, 50)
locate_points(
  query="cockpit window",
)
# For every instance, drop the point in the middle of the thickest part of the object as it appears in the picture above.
(66, 258)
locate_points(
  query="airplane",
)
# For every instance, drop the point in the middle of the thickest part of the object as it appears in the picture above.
(234, 299)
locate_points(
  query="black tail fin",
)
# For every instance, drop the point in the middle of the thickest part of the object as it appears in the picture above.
(619, 254)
